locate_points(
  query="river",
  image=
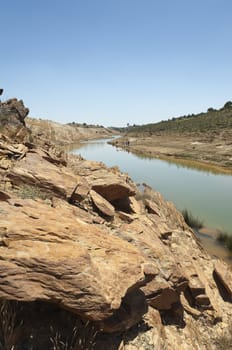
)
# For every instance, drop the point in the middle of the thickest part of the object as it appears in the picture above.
(206, 195)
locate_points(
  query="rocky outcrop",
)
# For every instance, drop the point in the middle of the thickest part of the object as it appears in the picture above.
(66, 261)
(81, 237)
(47, 131)
(12, 118)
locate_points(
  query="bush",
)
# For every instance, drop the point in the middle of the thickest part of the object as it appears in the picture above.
(225, 239)
(191, 220)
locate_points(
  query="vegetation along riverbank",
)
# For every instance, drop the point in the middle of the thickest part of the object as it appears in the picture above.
(202, 140)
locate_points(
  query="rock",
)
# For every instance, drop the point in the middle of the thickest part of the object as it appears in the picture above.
(16, 151)
(102, 204)
(80, 192)
(161, 295)
(135, 206)
(125, 216)
(151, 207)
(36, 170)
(12, 115)
(112, 189)
(1, 92)
(224, 279)
(66, 261)
(202, 300)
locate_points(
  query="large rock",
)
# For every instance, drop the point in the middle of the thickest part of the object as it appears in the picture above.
(50, 254)
(110, 184)
(12, 117)
(38, 170)
(102, 204)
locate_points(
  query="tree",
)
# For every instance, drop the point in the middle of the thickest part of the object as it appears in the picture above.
(228, 104)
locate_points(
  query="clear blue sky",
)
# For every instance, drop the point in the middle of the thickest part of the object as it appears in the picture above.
(114, 62)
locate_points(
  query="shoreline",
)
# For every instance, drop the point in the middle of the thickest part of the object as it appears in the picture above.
(188, 160)
(207, 235)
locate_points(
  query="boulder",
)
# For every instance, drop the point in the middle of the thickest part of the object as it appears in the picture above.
(109, 184)
(102, 204)
(66, 261)
(112, 189)
(12, 115)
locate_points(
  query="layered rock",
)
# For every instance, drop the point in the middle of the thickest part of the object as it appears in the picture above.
(12, 118)
(47, 131)
(82, 237)
(66, 261)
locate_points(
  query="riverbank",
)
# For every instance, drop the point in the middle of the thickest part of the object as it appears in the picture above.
(188, 150)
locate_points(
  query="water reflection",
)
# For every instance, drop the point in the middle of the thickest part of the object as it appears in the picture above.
(206, 195)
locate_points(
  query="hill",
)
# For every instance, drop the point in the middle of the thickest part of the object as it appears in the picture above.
(213, 121)
(202, 140)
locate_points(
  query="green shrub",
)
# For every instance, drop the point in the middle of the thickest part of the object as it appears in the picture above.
(191, 220)
(225, 239)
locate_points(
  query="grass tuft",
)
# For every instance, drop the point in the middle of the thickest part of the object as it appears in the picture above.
(225, 239)
(191, 220)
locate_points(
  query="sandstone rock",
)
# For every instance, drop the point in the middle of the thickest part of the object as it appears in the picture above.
(12, 115)
(36, 170)
(202, 300)
(16, 151)
(80, 192)
(125, 216)
(66, 261)
(135, 206)
(112, 189)
(161, 295)
(151, 207)
(224, 276)
(102, 204)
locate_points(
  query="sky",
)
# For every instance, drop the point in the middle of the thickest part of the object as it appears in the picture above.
(113, 62)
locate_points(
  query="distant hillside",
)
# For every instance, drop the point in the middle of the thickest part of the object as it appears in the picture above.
(61, 134)
(213, 120)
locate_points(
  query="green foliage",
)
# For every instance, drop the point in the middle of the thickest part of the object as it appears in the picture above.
(228, 104)
(191, 220)
(225, 239)
(213, 120)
